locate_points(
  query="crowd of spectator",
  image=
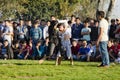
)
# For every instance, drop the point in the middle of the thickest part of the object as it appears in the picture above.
(39, 38)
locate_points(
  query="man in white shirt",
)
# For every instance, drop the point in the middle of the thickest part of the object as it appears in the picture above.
(103, 39)
(45, 30)
(8, 32)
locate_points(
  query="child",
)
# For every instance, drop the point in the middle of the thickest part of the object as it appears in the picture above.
(6, 50)
(65, 44)
(86, 31)
(83, 52)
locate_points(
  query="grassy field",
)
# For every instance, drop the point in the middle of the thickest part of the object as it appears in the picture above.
(31, 70)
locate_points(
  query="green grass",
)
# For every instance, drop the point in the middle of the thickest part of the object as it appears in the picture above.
(31, 70)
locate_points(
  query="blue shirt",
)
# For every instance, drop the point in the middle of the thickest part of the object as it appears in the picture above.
(36, 33)
(84, 51)
(76, 31)
(3, 50)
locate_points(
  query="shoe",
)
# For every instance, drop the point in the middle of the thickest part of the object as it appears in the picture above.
(101, 65)
(106, 66)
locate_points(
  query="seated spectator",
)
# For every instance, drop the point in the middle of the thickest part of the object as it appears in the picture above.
(97, 55)
(75, 48)
(30, 50)
(83, 52)
(46, 45)
(110, 50)
(16, 49)
(23, 53)
(113, 51)
(92, 51)
(39, 50)
(46, 50)
(118, 58)
(6, 51)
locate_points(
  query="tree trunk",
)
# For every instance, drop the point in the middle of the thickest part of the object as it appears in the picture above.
(110, 8)
(97, 7)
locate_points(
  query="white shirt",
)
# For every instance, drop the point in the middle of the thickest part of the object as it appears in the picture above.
(86, 37)
(104, 24)
(7, 30)
(69, 30)
(45, 32)
(62, 36)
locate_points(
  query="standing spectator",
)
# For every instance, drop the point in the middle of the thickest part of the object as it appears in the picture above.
(22, 31)
(76, 29)
(8, 32)
(103, 39)
(117, 31)
(35, 32)
(73, 19)
(29, 26)
(42, 26)
(45, 30)
(94, 30)
(53, 18)
(86, 31)
(112, 29)
(15, 31)
(1, 30)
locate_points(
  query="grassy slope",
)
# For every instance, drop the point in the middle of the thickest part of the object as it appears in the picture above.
(31, 70)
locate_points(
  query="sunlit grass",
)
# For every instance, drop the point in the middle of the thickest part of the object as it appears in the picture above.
(31, 70)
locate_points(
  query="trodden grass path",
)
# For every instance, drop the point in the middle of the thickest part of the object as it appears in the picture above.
(31, 70)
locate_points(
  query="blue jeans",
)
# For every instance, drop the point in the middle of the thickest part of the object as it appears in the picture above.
(104, 52)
